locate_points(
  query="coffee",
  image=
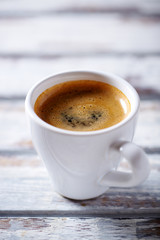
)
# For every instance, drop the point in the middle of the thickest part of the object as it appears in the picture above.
(82, 105)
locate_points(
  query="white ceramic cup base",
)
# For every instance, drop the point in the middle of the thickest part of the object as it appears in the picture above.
(83, 165)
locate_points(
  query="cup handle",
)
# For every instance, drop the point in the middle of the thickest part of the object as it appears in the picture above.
(138, 162)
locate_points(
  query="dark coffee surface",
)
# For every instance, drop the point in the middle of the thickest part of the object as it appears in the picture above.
(82, 105)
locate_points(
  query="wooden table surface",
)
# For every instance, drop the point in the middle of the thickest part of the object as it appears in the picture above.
(38, 39)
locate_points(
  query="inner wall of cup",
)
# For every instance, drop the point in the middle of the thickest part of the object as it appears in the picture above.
(71, 76)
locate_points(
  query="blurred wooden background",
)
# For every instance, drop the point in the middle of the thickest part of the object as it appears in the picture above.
(40, 38)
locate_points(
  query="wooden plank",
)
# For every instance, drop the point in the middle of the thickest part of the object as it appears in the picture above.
(78, 34)
(25, 187)
(15, 134)
(79, 228)
(13, 124)
(16, 159)
(18, 75)
(149, 116)
(63, 5)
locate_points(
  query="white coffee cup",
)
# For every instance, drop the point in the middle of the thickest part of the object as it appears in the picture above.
(83, 165)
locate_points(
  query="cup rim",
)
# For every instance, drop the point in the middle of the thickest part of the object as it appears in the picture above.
(29, 109)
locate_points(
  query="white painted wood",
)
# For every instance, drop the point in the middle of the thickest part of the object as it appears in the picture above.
(78, 228)
(147, 133)
(26, 186)
(83, 42)
(148, 6)
(17, 76)
(78, 34)
(13, 123)
(19, 159)
(15, 133)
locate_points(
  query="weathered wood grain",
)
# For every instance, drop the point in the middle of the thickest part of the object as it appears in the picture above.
(149, 116)
(39, 39)
(50, 6)
(19, 159)
(25, 187)
(61, 35)
(17, 76)
(79, 228)
(15, 134)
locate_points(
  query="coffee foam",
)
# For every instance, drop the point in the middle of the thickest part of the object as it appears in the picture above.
(82, 105)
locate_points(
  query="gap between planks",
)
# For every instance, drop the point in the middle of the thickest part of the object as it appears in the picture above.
(130, 12)
(30, 9)
(140, 213)
(55, 56)
(32, 151)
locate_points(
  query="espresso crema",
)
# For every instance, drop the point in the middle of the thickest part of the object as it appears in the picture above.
(82, 105)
